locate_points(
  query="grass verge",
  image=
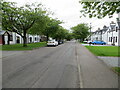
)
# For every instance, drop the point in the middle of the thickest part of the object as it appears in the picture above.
(104, 50)
(19, 47)
(117, 70)
(83, 43)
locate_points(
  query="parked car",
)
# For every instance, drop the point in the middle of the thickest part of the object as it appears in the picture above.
(98, 42)
(85, 41)
(60, 42)
(52, 43)
(89, 42)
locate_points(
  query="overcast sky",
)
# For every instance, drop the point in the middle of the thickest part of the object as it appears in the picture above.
(69, 12)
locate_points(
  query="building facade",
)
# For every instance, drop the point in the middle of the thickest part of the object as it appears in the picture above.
(109, 34)
(4, 38)
(13, 38)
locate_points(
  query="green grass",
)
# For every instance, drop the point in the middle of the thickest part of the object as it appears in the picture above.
(0, 47)
(83, 42)
(30, 46)
(117, 69)
(104, 50)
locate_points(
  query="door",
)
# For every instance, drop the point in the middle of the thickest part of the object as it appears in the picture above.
(113, 40)
(18, 39)
(6, 39)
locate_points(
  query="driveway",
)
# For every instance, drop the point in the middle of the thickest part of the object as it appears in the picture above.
(69, 65)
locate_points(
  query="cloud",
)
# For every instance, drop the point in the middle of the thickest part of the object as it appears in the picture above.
(69, 12)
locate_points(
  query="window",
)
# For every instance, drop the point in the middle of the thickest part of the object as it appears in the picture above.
(116, 29)
(35, 39)
(11, 38)
(30, 39)
(111, 39)
(116, 39)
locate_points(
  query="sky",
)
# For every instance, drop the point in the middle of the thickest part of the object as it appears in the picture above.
(69, 12)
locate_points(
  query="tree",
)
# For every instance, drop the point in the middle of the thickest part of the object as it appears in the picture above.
(20, 19)
(39, 26)
(60, 34)
(51, 27)
(69, 36)
(100, 9)
(80, 31)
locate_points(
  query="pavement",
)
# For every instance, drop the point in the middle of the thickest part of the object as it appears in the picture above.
(69, 65)
(110, 61)
(95, 74)
(95, 45)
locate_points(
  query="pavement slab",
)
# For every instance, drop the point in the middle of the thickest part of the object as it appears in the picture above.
(95, 74)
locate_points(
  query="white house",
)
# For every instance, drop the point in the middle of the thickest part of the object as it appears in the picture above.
(15, 38)
(109, 34)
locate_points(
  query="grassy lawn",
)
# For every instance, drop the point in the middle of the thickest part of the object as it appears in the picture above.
(30, 46)
(104, 50)
(83, 42)
(117, 69)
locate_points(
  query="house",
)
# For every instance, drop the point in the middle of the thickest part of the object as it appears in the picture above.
(113, 36)
(4, 37)
(108, 34)
(33, 38)
(14, 38)
(43, 38)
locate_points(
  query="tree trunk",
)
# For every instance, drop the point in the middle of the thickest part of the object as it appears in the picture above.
(24, 39)
(47, 37)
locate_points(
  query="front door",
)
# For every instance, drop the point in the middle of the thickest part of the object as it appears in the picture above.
(18, 39)
(6, 39)
(113, 40)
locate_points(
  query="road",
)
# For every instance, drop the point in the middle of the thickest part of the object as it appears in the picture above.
(54, 67)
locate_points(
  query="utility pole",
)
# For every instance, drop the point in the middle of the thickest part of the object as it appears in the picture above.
(90, 31)
(118, 21)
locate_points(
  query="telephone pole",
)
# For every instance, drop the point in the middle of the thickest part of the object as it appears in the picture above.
(90, 31)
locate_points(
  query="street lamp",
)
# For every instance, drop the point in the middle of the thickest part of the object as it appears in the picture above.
(118, 22)
(112, 25)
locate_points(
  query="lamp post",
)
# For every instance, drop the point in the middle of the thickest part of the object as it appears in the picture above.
(118, 22)
(112, 25)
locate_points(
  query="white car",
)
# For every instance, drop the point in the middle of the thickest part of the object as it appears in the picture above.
(52, 43)
(85, 41)
(89, 41)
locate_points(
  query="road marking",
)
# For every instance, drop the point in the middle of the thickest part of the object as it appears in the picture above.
(79, 69)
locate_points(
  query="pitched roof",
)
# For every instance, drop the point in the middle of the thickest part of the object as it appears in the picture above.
(2, 32)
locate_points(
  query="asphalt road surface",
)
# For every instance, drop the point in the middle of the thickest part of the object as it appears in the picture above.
(50, 67)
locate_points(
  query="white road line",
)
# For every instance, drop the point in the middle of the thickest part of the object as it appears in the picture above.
(79, 69)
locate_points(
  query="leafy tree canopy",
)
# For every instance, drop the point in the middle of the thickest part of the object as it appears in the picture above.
(20, 19)
(80, 31)
(100, 9)
(69, 36)
(60, 34)
(51, 27)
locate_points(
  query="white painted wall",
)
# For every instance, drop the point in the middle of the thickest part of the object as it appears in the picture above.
(106, 35)
(15, 35)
